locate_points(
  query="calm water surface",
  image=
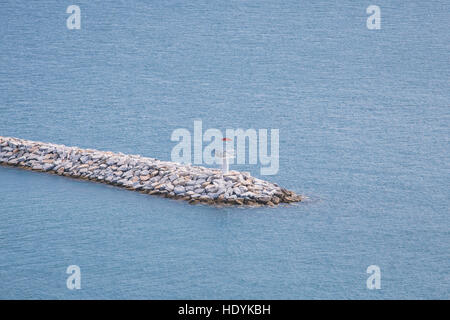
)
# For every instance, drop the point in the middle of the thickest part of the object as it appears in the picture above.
(364, 131)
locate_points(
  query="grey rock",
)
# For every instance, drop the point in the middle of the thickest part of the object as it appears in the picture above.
(37, 167)
(111, 161)
(128, 174)
(136, 185)
(221, 191)
(243, 189)
(13, 162)
(169, 187)
(200, 181)
(179, 190)
(263, 199)
(211, 189)
(84, 159)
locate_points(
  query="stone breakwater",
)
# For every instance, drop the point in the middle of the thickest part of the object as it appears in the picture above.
(169, 179)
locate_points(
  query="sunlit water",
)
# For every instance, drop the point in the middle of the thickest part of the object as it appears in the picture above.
(364, 132)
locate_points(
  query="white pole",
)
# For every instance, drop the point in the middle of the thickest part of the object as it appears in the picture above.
(225, 163)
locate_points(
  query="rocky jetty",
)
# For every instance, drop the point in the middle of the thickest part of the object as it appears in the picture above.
(195, 184)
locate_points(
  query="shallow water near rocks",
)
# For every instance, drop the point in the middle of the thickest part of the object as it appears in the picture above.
(364, 132)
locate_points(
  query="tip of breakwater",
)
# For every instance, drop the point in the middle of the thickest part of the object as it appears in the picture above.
(194, 184)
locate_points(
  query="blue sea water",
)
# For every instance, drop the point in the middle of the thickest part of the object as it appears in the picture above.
(364, 121)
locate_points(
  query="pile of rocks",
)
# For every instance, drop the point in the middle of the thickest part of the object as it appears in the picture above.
(173, 180)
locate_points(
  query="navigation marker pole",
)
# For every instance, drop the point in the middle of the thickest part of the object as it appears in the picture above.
(225, 155)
